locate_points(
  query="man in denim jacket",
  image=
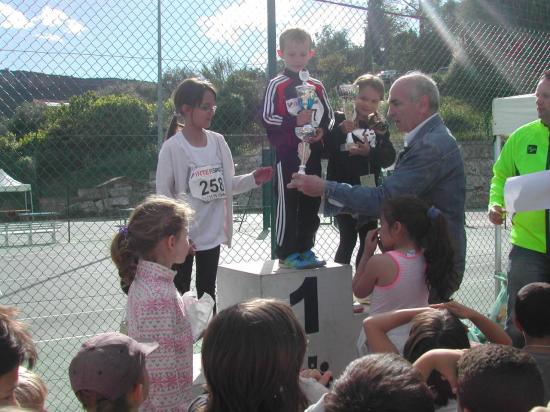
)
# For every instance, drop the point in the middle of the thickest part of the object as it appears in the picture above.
(430, 166)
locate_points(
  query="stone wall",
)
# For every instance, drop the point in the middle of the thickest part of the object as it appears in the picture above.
(122, 192)
(478, 167)
(107, 198)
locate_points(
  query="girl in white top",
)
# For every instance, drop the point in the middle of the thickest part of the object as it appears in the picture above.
(196, 164)
(417, 260)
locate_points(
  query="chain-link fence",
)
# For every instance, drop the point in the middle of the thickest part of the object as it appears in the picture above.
(84, 94)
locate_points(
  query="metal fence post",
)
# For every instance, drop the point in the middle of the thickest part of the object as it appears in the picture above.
(271, 72)
(267, 191)
(498, 228)
(68, 211)
(160, 119)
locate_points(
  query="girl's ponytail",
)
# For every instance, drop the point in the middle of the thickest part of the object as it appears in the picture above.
(124, 259)
(439, 254)
(173, 128)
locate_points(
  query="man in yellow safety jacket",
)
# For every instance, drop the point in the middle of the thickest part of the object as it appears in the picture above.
(526, 151)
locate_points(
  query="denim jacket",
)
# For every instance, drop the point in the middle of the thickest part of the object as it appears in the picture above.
(431, 168)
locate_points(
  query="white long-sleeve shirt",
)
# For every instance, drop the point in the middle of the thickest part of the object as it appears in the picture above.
(172, 179)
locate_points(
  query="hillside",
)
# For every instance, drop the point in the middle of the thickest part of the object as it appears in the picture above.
(16, 87)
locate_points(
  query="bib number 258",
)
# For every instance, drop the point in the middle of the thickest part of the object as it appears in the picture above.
(211, 186)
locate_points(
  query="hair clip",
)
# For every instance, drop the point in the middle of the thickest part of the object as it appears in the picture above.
(123, 230)
(433, 212)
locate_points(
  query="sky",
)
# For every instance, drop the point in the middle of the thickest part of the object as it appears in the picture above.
(118, 39)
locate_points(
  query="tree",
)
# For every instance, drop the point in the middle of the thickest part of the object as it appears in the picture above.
(143, 90)
(377, 36)
(503, 59)
(28, 117)
(171, 78)
(528, 14)
(249, 84)
(87, 133)
(239, 96)
(218, 72)
(337, 59)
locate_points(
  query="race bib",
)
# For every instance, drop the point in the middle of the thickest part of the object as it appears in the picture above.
(206, 183)
(368, 180)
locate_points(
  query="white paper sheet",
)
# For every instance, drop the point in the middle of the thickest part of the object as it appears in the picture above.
(527, 192)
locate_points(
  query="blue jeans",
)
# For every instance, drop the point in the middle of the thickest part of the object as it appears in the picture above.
(524, 266)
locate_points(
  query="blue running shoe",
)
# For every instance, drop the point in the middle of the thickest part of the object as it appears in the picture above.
(309, 260)
(292, 261)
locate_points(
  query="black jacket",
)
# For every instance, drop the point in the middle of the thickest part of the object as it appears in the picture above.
(344, 168)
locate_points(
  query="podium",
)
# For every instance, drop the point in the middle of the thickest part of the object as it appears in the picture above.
(321, 298)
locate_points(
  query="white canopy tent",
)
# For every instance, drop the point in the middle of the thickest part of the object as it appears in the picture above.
(9, 184)
(509, 113)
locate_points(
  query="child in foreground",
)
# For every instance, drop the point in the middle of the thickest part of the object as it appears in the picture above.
(108, 373)
(144, 252)
(31, 391)
(252, 354)
(417, 260)
(377, 382)
(16, 347)
(532, 318)
(431, 328)
(487, 378)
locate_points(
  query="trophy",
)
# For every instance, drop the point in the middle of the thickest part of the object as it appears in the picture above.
(306, 97)
(348, 93)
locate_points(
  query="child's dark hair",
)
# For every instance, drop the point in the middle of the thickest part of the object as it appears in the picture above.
(532, 309)
(427, 227)
(16, 344)
(495, 378)
(252, 353)
(191, 92)
(379, 382)
(436, 329)
(151, 221)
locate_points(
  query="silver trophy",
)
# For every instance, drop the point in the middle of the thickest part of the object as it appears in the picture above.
(306, 98)
(348, 93)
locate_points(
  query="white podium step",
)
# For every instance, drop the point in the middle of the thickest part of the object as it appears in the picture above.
(321, 298)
